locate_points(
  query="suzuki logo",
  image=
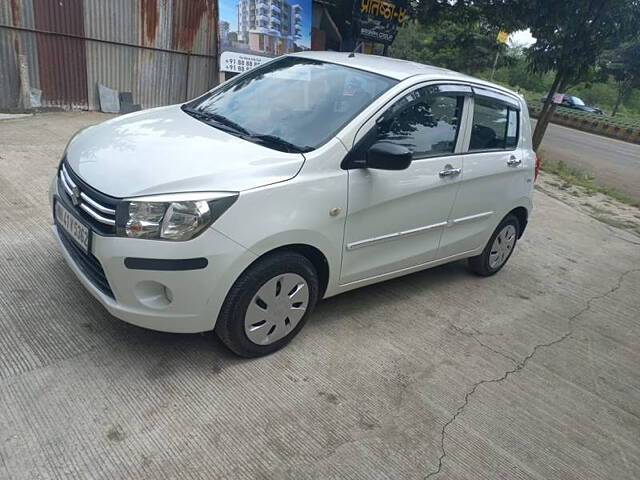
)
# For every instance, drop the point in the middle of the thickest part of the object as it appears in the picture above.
(75, 196)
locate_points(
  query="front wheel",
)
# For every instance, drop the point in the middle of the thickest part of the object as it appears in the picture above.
(498, 249)
(268, 305)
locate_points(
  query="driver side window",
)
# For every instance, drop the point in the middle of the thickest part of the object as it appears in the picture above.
(426, 121)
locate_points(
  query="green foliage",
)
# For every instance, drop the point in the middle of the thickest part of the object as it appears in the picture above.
(623, 64)
(412, 43)
(419, 43)
(571, 34)
(517, 76)
(468, 48)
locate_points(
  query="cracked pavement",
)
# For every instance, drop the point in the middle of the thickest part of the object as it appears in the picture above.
(519, 365)
(530, 374)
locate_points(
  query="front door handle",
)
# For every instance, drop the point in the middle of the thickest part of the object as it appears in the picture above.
(513, 161)
(449, 171)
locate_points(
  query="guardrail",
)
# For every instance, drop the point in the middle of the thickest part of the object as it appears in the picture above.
(626, 130)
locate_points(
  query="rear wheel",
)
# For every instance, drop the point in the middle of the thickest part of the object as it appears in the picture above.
(268, 305)
(498, 249)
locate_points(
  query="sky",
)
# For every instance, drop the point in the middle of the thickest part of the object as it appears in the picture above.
(229, 13)
(522, 38)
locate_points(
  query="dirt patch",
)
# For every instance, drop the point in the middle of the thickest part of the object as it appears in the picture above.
(600, 206)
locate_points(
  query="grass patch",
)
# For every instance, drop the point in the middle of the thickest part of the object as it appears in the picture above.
(574, 176)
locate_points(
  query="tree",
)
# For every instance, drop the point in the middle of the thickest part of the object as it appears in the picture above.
(465, 47)
(623, 64)
(515, 73)
(570, 36)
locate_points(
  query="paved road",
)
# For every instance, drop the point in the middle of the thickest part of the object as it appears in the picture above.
(612, 162)
(530, 374)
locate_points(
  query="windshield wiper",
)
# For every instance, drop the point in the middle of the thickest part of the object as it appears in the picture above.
(228, 125)
(217, 121)
(273, 141)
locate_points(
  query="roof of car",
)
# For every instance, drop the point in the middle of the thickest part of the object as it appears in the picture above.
(392, 67)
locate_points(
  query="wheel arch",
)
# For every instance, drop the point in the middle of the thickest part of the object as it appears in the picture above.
(311, 253)
(522, 214)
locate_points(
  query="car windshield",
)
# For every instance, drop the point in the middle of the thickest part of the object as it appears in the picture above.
(291, 104)
(577, 101)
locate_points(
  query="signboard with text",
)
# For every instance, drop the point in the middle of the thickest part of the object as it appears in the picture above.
(380, 19)
(503, 36)
(240, 62)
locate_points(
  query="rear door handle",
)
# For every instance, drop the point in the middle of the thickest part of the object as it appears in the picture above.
(513, 161)
(449, 171)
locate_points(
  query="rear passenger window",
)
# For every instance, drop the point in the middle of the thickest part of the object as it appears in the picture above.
(495, 126)
(425, 121)
(512, 129)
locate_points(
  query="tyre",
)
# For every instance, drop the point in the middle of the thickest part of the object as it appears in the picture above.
(498, 249)
(268, 305)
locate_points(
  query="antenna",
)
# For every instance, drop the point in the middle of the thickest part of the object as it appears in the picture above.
(358, 46)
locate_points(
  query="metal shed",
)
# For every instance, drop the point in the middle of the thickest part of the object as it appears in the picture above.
(163, 51)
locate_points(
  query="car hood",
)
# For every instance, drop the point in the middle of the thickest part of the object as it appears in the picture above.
(164, 150)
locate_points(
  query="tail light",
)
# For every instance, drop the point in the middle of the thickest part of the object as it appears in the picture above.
(537, 170)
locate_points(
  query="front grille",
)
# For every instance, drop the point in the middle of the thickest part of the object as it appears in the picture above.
(96, 208)
(89, 264)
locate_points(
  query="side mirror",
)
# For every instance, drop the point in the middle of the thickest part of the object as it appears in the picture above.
(388, 156)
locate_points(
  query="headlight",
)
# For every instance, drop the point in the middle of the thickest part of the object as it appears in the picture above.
(177, 217)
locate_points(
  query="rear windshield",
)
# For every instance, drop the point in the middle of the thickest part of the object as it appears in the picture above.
(290, 104)
(577, 101)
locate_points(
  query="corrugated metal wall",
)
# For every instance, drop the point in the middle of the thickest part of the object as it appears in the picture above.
(163, 51)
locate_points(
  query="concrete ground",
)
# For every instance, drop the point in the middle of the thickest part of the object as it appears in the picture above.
(530, 374)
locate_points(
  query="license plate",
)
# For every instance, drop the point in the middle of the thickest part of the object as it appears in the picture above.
(76, 229)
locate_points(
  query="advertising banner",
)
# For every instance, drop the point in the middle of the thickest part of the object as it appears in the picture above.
(380, 19)
(253, 31)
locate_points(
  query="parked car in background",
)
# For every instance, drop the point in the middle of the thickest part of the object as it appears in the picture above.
(308, 176)
(571, 101)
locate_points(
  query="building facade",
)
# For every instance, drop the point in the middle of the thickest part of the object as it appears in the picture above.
(271, 26)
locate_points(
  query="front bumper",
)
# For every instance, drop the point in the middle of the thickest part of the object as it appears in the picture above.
(182, 301)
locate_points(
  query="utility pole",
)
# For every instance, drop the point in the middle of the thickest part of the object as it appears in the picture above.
(495, 64)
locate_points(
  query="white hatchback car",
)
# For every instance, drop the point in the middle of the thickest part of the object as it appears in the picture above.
(313, 174)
